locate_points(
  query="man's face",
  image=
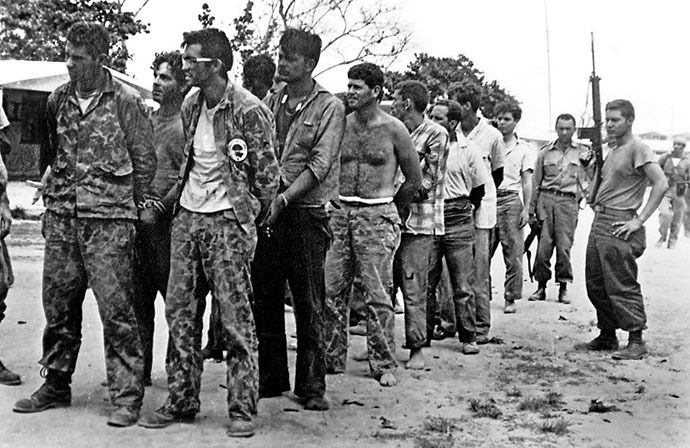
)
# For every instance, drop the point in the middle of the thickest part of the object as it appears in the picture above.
(293, 67)
(616, 124)
(165, 87)
(81, 66)
(359, 94)
(506, 123)
(196, 73)
(565, 130)
(258, 88)
(678, 148)
(398, 108)
(439, 114)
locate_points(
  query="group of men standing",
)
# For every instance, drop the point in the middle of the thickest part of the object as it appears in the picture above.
(220, 192)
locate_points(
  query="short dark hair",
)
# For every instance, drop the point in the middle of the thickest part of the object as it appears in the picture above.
(624, 106)
(214, 44)
(295, 41)
(566, 117)
(260, 66)
(417, 92)
(91, 35)
(174, 60)
(454, 109)
(466, 92)
(371, 74)
(508, 107)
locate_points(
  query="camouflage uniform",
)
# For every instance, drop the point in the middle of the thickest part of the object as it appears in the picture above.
(213, 251)
(104, 163)
(364, 241)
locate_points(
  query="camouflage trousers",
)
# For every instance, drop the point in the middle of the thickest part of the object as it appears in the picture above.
(211, 252)
(6, 277)
(364, 242)
(96, 253)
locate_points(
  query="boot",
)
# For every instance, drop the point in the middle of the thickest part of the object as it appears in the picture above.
(540, 294)
(8, 377)
(54, 393)
(563, 293)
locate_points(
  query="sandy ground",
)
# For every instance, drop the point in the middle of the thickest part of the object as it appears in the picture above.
(430, 408)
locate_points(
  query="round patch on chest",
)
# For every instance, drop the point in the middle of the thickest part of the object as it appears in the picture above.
(237, 149)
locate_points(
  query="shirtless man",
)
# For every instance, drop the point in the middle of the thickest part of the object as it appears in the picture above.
(366, 228)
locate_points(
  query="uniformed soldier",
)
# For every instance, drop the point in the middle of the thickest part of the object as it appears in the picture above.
(228, 178)
(104, 163)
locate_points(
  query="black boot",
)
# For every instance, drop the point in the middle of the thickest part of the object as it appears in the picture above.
(55, 392)
(8, 377)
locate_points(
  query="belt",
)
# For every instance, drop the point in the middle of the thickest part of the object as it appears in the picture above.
(564, 194)
(501, 193)
(458, 199)
(613, 211)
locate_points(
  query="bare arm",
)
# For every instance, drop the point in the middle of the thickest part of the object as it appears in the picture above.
(409, 165)
(656, 177)
(536, 181)
(526, 178)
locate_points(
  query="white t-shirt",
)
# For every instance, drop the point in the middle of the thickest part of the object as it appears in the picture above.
(205, 190)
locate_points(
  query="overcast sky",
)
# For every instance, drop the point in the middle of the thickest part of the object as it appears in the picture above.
(640, 50)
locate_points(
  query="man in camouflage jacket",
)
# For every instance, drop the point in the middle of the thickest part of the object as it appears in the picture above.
(104, 162)
(229, 175)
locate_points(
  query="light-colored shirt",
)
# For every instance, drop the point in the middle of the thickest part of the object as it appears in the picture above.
(623, 182)
(520, 157)
(205, 190)
(465, 169)
(490, 143)
(4, 122)
(312, 142)
(431, 142)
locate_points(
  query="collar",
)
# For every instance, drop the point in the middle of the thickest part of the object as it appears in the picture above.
(281, 95)
(108, 86)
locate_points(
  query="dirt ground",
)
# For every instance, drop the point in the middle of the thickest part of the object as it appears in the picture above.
(529, 389)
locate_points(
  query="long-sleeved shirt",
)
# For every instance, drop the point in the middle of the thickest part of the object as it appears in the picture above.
(245, 145)
(431, 142)
(104, 156)
(312, 142)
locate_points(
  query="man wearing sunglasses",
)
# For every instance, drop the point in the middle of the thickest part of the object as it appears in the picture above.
(228, 178)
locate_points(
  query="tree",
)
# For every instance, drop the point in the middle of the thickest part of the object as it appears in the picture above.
(439, 73)
(36, 29)
(351, 30)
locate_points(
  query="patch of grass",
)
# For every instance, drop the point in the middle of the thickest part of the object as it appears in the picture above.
(557, 426)
(434, 442)
(485, 408)
(439, 424)
(536, 404)
(515, 392)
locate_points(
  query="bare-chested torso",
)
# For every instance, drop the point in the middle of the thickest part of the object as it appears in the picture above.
(368, 161)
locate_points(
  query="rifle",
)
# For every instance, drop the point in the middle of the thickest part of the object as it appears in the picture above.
(593, 133)
(535, 231)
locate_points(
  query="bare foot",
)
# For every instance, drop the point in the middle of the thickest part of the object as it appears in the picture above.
(416, 361)
(361, 356)
(388, 380)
